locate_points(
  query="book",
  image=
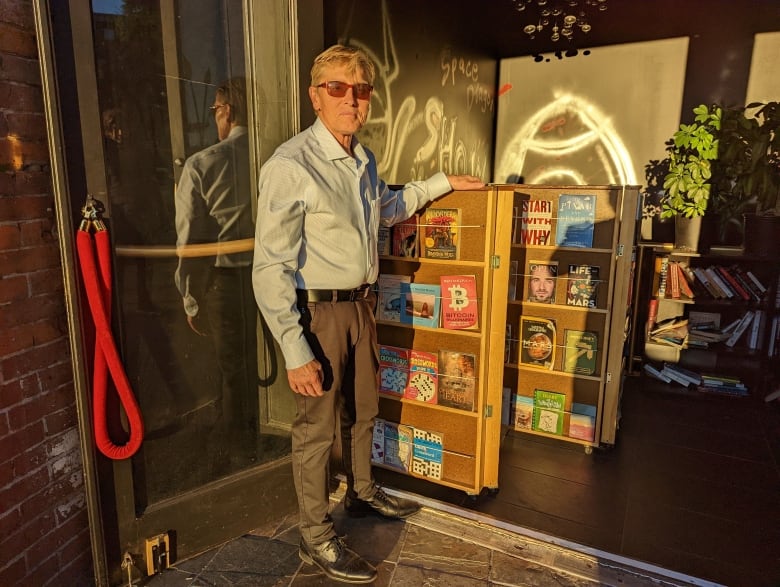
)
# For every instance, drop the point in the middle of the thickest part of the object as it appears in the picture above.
(378, 442)
(421, 304)
(542, 276)
(704, 279)
(549, 410)
(537, 342)
(719, 283)
(652, 315)
(731, 281)
(459, 302)
(439, 233)
(582, 421)
(535, 222)
(673, 280)
(655, 372)
(423, 377)
(390, 301)
(683, 284)
(523, 412)
(757, 330)
(755, 294)
(576, 217)
(687, 374)
(580, 351)
(384, 242)
(427, 453)
(393, 369)
(740, 329)
(405, 238)
(675, 377)
(399, 439)
(457, 379)
(582, 285)
(759, 285)
(662, 267)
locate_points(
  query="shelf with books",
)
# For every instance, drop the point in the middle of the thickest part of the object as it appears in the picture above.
(568, 305)
(736, 294)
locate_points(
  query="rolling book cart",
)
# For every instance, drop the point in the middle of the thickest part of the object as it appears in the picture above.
(451, 435)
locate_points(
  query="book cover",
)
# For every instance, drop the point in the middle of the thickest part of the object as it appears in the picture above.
(732, 282)
(440, 233)
(459, 302)
(378, 442)
(719, 283)
(582, 285)
(740, 329)
(683, 285)
(582, 421)
(535, 222)
(457, 379)
(542, 276)
(423, 377)
(704, 279)
(652, 315)
(576, 217)
(405, 239)
(384, 242)
(673, 280)
(421, 304)
(399, 439)
(549, 410)
(537, 342)
(523, 412)
(427, 454)
(390, 301)
(662, 269)
(580, 351)
(755, 294)
(655, 372)
(393, 369)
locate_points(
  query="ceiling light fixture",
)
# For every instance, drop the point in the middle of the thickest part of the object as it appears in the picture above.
(562, 18)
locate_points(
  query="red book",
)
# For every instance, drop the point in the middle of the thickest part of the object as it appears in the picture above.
(652, 314)
(459, 302)
(685, 288)
(733, 283)
(674, 279)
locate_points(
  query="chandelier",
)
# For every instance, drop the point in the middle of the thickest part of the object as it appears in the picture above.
(561, 18)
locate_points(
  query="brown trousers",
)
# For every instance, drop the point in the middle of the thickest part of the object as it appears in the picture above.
(342, 336)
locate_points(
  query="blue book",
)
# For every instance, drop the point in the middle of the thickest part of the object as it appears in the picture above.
(576, 217)
(422, 304)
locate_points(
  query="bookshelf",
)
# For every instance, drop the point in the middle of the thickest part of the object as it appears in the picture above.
(730, 319)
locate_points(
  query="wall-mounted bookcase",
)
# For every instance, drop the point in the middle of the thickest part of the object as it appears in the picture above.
(454, 442)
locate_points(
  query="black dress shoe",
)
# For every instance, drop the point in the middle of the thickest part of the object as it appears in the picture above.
(337, 561)
(381, 504)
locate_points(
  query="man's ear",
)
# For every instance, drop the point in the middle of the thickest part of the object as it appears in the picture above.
(315, 98)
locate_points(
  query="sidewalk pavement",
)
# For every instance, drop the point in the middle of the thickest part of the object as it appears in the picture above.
(442, 545)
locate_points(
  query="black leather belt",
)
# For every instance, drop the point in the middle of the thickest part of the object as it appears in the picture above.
(333, 295)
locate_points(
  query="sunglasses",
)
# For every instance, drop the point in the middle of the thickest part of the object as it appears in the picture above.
(339, 89)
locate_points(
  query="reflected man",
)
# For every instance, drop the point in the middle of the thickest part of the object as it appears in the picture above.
(214, 206)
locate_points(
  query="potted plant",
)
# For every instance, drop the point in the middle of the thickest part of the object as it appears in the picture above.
(747, 173)
(687, 174)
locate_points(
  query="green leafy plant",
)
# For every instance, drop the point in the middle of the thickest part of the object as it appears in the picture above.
(687, 184)
(747, 172)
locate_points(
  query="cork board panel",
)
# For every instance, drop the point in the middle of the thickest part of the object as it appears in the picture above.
(584, 391)
(458, 429)
(459, 469)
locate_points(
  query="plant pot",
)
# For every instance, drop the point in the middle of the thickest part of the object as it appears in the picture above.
(686, 233)
(761, 234)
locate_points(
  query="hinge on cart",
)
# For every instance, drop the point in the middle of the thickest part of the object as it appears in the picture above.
(495, 261)
(620, 251)
(609, 377)
(488, 411)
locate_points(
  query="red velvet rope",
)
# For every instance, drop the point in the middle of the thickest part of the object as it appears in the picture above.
(98, 288)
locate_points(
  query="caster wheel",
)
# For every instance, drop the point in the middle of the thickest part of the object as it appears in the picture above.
(588, 450)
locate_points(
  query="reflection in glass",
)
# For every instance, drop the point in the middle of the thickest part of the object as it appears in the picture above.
(199, 395)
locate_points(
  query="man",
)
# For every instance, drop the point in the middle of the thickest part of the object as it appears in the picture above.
(214, 205)
(320, 206)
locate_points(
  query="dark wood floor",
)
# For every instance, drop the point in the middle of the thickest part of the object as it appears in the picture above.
(692, 485)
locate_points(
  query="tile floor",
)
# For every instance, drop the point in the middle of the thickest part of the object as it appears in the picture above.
(438, 546)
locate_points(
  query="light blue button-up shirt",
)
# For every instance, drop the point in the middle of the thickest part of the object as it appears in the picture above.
(318, 216)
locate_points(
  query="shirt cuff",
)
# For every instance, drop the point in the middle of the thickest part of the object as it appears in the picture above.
(297, 354)
(438, 184)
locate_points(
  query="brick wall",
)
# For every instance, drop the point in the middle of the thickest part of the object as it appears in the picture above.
(44, 536)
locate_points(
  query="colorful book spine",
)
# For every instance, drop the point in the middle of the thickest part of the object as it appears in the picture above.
(747, 317)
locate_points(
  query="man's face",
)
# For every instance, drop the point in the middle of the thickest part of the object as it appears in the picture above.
(343, 116)
(221, 117)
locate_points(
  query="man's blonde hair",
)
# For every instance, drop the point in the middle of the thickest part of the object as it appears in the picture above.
(341, 55)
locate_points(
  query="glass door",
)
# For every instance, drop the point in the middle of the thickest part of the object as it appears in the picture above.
(178, 102)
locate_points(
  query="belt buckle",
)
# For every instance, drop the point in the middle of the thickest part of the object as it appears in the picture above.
(358, 293)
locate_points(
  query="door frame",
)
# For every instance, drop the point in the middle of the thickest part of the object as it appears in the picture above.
(224, 508)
